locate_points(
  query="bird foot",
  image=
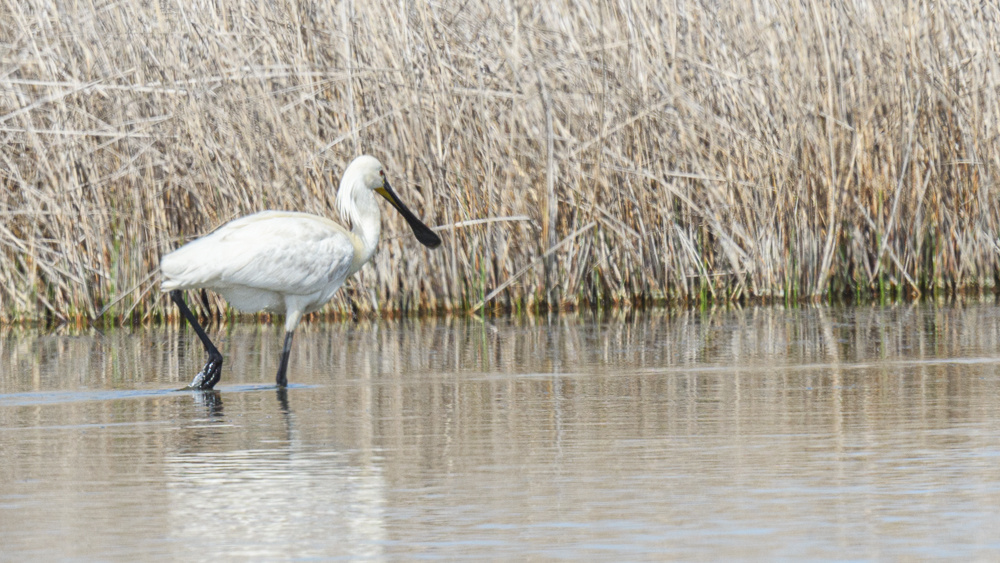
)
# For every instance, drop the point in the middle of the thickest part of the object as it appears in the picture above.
(208, 376)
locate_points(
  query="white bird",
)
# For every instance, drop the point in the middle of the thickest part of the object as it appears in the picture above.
(285, 262)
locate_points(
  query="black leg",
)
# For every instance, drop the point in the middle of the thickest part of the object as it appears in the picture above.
(209, 375)
(282, 380)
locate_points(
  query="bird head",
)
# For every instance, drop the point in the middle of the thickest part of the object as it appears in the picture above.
(367, 173)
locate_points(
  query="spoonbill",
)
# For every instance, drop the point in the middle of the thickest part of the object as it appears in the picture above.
(285, 262)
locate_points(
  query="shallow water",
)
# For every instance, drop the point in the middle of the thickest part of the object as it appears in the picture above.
(764, 433)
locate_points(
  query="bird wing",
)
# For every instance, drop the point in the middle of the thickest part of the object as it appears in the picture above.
(283, 252)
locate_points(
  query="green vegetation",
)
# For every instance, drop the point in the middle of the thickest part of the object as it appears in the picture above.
(632, 152)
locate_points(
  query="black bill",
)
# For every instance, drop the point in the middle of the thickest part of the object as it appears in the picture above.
(424, 234)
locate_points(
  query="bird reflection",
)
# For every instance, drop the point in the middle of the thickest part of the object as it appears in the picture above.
(211, 401)
(283, 401)
(286, 411)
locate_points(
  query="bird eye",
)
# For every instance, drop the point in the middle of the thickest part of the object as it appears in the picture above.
(381, 173)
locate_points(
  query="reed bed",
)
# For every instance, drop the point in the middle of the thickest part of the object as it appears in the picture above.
(620, 153)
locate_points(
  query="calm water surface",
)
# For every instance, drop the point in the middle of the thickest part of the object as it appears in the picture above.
(756, 434)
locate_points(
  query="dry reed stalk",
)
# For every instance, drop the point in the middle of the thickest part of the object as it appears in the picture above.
(750, 150)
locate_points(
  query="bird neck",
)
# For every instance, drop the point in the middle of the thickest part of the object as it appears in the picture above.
(366, 224)
(357, 204)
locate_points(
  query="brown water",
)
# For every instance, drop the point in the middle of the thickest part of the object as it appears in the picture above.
(870, 433)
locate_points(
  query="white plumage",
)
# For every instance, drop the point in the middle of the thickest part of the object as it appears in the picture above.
(285, 262)
(270, 261)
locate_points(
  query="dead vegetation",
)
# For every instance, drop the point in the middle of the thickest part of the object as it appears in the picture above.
(627, 152)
